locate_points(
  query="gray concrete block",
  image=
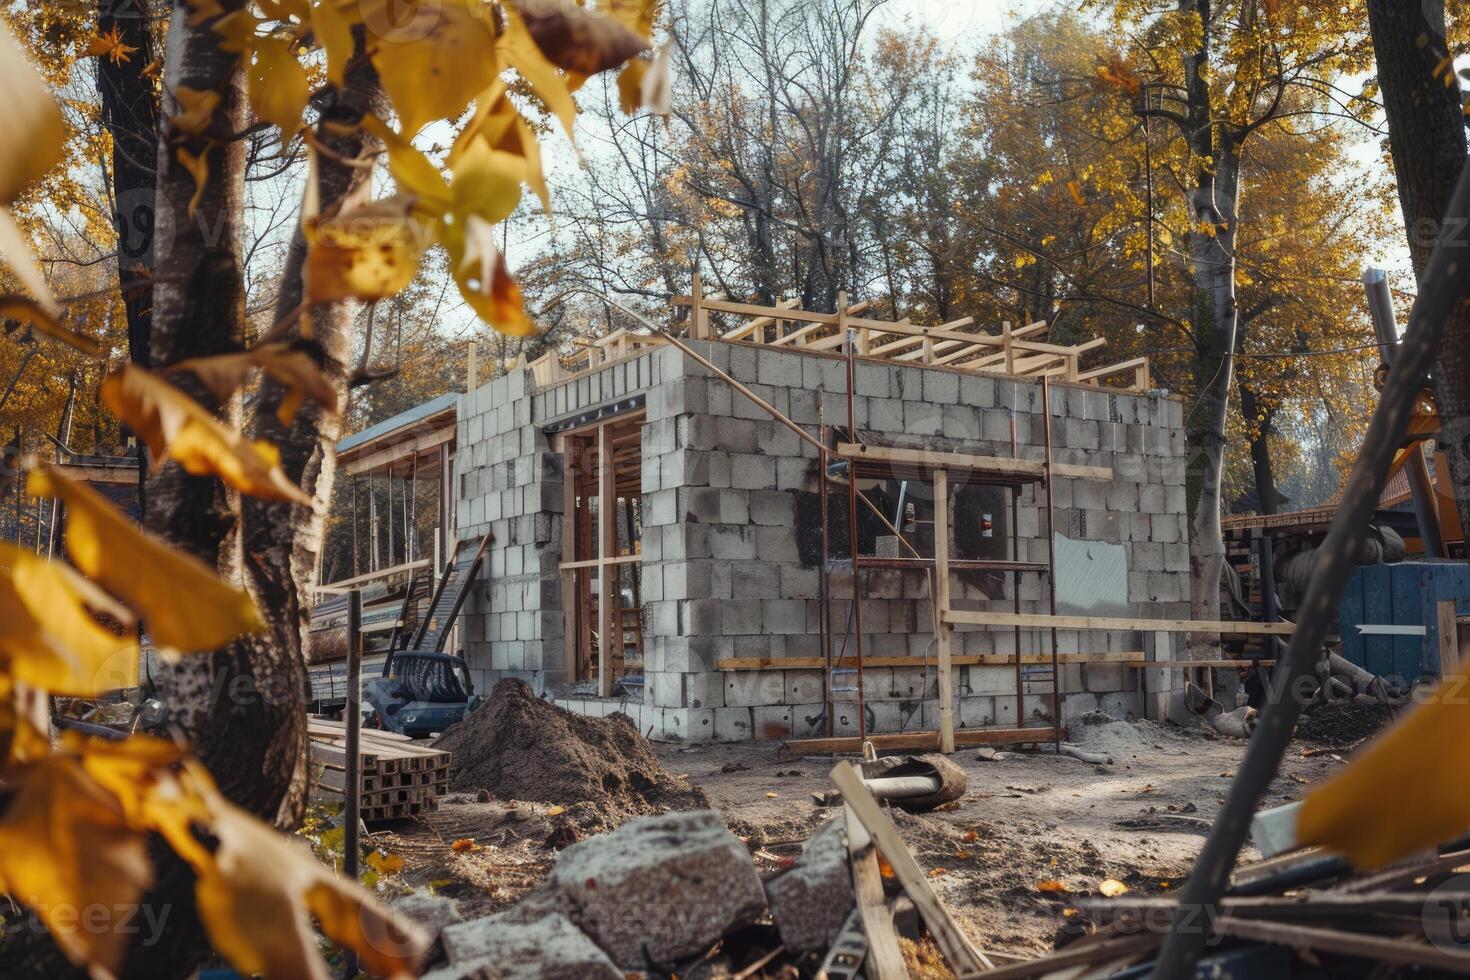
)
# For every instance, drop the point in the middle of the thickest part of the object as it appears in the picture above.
(941, 386)
(670, 885)
(811, 900)
(514, 945)
(732, 724)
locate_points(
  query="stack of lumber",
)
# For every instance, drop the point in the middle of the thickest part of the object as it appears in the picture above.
(400, 777)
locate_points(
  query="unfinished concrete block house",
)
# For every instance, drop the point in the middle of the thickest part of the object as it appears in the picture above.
(787, 524)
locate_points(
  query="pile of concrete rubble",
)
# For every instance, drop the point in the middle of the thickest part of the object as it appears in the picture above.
(678, 894)
(662, 894)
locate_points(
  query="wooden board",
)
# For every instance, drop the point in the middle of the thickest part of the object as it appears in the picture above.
(843, 744)
(968, 462)
(956, 660)
(976, 617)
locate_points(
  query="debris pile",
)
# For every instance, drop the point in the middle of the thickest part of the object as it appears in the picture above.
(678, 894)
(516, 746)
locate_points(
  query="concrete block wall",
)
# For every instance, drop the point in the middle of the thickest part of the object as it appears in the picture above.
(722, 572)
(723, 492)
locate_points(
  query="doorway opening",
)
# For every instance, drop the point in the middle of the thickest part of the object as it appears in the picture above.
(602, 530)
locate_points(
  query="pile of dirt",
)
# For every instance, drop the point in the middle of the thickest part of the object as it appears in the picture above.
(517, 746)
(1345, 721)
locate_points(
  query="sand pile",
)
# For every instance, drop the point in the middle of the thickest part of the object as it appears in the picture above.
(517, 746)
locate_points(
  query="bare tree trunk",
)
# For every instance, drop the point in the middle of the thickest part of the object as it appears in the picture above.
(1260, 421)
(1214, 322)
(1426, 124)
(130, 115)
(283, 540)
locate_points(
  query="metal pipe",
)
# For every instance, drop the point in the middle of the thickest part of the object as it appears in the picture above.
(902, 787)
(1385, 325)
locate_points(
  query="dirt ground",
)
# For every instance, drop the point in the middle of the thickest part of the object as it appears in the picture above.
(1026, 819)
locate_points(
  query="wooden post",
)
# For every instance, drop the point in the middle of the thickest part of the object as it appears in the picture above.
(698, 318)
(352, 718)
(1449, 638)
(1010, 352)
(607, 546)
(941, 599)
(571, 624)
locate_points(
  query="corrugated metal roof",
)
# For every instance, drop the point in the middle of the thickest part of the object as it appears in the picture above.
(416, 414)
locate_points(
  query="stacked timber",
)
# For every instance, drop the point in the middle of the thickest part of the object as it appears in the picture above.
(400, 777)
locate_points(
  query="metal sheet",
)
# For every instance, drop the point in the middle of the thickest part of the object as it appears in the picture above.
(1092, 578)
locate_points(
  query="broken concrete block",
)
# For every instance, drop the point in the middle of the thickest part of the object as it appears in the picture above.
(812, 899)
(432, 912)
(669, 885)
(503, 947)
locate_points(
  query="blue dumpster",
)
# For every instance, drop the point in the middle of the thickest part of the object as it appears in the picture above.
(1406, 594)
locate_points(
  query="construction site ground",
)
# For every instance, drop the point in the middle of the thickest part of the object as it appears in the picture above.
(1033, 831)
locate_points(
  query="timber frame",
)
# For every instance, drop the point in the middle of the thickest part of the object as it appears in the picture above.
(1015, 352)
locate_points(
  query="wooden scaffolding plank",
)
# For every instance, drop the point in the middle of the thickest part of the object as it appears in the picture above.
(968, 462)
(976, 617)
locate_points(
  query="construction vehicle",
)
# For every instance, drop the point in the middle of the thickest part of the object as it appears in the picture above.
(417, 689)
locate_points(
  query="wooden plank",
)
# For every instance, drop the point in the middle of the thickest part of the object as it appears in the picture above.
(885, 958)
(976, 617)
(1449, 637)
(607, 538)
(898, 455)
(398, 451)
(941, 599)
(843, 744)
(1130, 366)
(600, 562)
(1127, 659)
(963, 957)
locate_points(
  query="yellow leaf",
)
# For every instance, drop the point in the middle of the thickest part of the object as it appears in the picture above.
(520, 52)
(1052, 886)
(29, 311)
(434, 60)
(66, 851)
(109, 46)
(656, 89)
(556, 811)
(29, 118)
(487, 182)
(223, 374)
(385, 864)
(1075, 189)
(236, 31)
(630, 85)
(938, 872)
(259, 893)
(500, 126)
(198, 167)
(196, 109)
(146, 574)
(1360, 811)
(1112, 888)
(278, 87)
(176, 427)
(465, 845)
(580, 40)
(368, 253)
(414, 173)
(48, 637)
(333, 30)
(484, 281)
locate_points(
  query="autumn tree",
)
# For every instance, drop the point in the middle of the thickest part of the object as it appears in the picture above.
(1218, 72)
